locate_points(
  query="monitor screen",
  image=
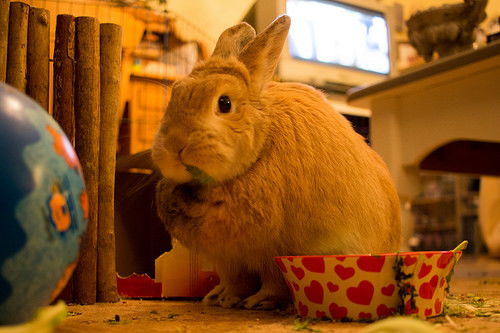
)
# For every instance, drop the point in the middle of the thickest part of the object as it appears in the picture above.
(339, 34)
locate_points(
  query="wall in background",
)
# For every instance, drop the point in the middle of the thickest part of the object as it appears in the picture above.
(211, 16)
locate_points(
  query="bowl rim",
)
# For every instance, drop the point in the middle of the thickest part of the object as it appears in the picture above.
(370, 254)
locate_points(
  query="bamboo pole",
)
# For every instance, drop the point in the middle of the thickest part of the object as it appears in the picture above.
(110, 47)
(4, 36)
(38, 56)
(16, 48)
(64, 64)
(87, 147)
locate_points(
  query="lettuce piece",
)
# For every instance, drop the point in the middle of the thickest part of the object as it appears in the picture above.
(200, 175)
(46, 319)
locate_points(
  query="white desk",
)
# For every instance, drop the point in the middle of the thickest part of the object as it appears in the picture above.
(454, 98)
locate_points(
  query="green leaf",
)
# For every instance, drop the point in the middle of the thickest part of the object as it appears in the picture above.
(45, 320)
(199, 175)
(300, 325)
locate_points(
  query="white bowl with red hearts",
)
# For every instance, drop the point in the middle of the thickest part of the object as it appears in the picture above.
(368, 287)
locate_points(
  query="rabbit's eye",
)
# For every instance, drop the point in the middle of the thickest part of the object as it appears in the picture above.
(224, 104)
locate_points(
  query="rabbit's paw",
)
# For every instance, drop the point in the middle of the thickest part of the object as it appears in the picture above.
(264, 300)
(221, 295)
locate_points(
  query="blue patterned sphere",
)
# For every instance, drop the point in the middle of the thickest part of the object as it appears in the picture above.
(44, 207)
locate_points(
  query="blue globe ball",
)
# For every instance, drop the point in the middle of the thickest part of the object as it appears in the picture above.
(44, 207)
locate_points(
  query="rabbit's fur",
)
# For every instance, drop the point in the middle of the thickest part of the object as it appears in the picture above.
(292, 176)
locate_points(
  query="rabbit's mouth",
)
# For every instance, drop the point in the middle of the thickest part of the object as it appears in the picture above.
(179, 154)
(170, 165)
(205, 155)
(214, 159)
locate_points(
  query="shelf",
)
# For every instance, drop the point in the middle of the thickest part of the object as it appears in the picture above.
(433, 201)
(435, 228)
(429, 75)
(164, 79)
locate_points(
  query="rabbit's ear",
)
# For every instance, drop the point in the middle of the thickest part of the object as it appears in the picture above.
(233, 40)
(261, 55)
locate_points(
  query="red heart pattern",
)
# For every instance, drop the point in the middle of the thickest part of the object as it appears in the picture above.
(332, 287)
(438, 306)
(424, 270)
(344, 272)
(384, 311)
(362, 294)
(408, 308)
(364, 315)
(288, 284)
(388, 290)
(409, 260)
(314, 292)
(444, 260)
(298, 272)
(314, 264)
(427, 276)
(371, 263)
(303, 309)
(337, 312)
(427, 289)
(320, 314)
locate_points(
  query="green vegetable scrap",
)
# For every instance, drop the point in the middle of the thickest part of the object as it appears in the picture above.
(490, 281)
(200, 175)
(454, 309)
(477, 301)
(299, 325)
(468, 306)
(46, 319)
(462, 246)
(73, 313)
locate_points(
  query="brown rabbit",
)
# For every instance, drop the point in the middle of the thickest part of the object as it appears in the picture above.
(289, 174)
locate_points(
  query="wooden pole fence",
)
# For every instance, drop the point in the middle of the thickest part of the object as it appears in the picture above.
(4, 37)
(86, 104)
(38, 56)
(87, 119)
(110, 46)
(64, 64)
(17, 42)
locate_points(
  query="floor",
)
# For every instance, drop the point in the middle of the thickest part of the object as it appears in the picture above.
(472, 306)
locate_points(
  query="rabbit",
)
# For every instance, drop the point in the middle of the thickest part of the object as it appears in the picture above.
(288, 174)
